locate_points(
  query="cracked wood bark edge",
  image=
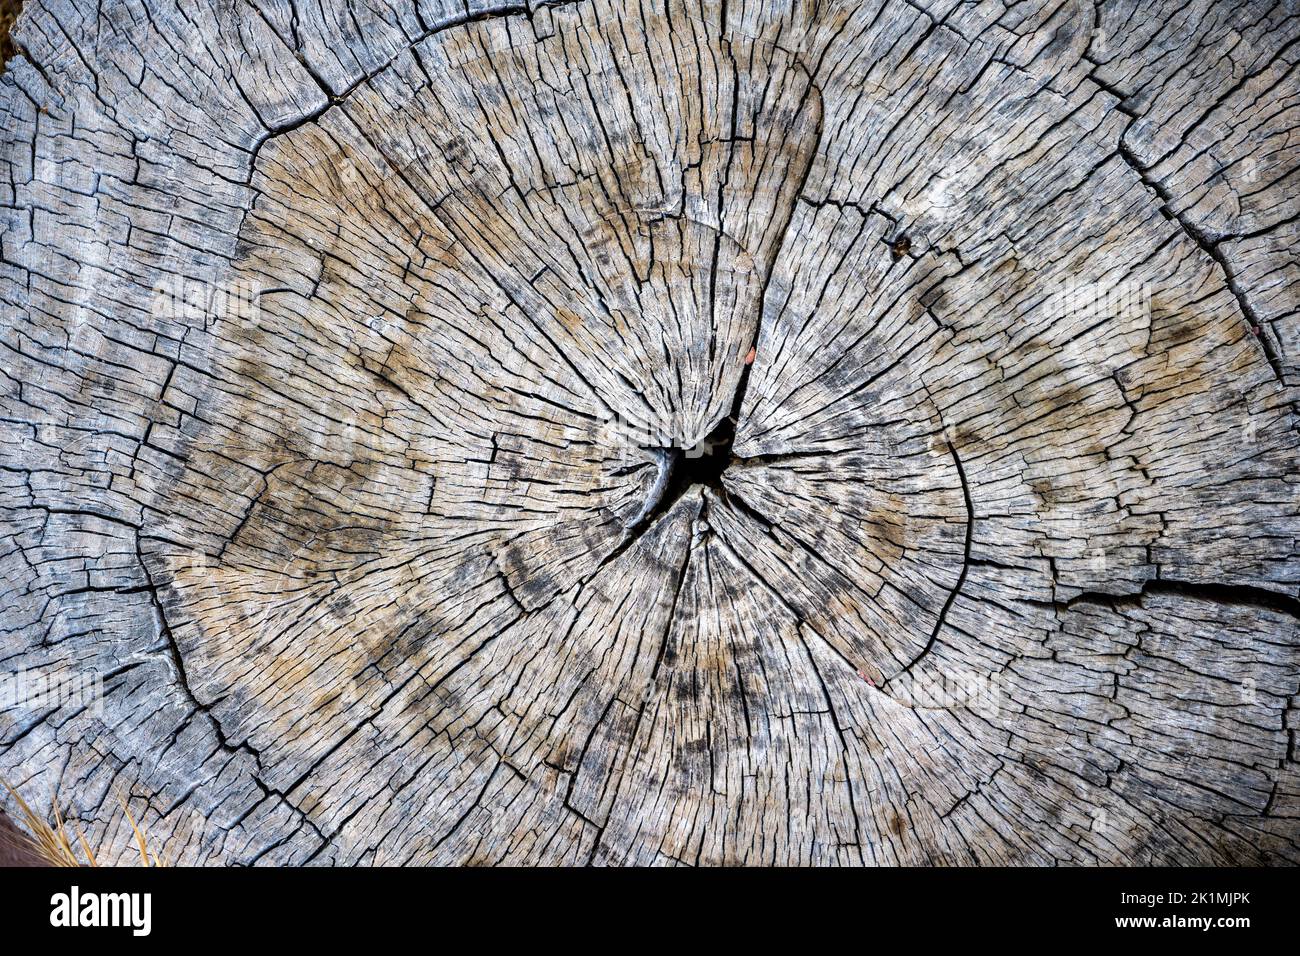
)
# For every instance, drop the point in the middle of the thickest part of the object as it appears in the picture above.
(345, 348)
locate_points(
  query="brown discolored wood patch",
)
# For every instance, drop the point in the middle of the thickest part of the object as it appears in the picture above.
(9, 10)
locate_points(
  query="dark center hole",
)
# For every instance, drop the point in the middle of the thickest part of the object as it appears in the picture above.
(705, 463)
(702, 464)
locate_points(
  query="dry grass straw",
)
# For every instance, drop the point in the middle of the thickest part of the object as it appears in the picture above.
(52, 843)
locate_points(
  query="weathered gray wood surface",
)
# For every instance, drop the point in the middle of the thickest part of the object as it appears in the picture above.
(340, 345)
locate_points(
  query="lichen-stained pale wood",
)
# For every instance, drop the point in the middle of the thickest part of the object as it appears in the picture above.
(385, 564)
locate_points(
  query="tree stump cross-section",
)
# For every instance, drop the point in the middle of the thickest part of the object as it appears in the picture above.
(587, 432)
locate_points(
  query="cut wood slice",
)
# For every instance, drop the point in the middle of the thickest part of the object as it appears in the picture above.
(703, 433)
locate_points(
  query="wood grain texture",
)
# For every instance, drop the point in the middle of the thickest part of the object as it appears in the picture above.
(682, 433)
